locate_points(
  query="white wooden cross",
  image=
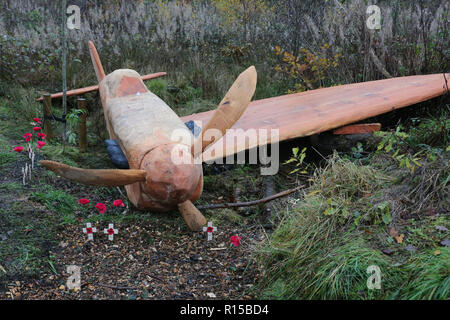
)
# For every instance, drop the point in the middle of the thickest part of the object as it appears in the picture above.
(27, 173)
(111, 231)
(23, 175)
(28, 166)
(209, 230)
(32, 159)
(89, 230)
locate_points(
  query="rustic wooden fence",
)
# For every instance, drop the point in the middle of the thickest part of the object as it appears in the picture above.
(49, 117)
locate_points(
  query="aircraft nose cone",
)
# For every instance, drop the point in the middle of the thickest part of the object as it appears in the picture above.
(172, 176)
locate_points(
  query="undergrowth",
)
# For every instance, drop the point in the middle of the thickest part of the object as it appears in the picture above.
(354, 216)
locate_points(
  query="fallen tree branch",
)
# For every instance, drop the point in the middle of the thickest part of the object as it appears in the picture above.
(250, 203)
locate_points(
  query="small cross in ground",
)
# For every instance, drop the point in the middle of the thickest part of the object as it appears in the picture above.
(89, 230)
(209, 229)
(111, 231)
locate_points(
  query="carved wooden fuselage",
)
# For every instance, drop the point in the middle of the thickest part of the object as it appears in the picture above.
(143, 125)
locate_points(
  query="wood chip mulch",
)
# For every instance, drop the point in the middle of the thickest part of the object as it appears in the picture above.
(149, 261)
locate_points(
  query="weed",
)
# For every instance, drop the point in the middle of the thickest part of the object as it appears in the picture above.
(298, 159)
(309, 256)
(321, 248)
(58, 202)
(343, 178)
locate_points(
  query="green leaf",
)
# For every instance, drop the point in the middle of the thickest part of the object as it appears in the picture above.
(330, 211)
(290, 160)
(294, 171)
(386, 218)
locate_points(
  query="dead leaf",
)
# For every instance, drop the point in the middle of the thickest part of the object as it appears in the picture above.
(392, 232)
(437, 252)
(399, 238)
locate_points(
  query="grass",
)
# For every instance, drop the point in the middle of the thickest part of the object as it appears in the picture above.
(430, 276)
(346, 179)
(15, 186)
(7, 158)
(57, 201)
(27, 235)
(433, 130)
(322, 248)
(309, 257)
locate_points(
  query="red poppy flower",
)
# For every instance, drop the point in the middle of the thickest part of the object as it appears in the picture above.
(110, 231)
(27, 136)
(40, 144)
(38, 120)
(101, 207)
(118, 203)
(83, 201)
(41, 135)
(236, 240)
(37, 128)
(18, 149)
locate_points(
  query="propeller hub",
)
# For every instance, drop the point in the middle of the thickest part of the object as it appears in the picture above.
(172, 176)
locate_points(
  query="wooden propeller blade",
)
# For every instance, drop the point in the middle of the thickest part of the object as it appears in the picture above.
(192, 216)
(96, 177)
(99, 72)
(230, 108)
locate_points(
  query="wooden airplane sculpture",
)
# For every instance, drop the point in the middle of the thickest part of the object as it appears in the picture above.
(142, 124)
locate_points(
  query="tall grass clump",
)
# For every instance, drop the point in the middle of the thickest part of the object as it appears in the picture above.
(316, 252)
(322, 248)
(430, 276)
(310, 256)
(346, 179)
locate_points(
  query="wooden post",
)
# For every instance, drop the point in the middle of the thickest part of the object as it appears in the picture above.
(82, 124)
(47, 113)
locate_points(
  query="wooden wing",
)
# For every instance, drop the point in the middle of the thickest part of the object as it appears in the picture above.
(315, 111)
